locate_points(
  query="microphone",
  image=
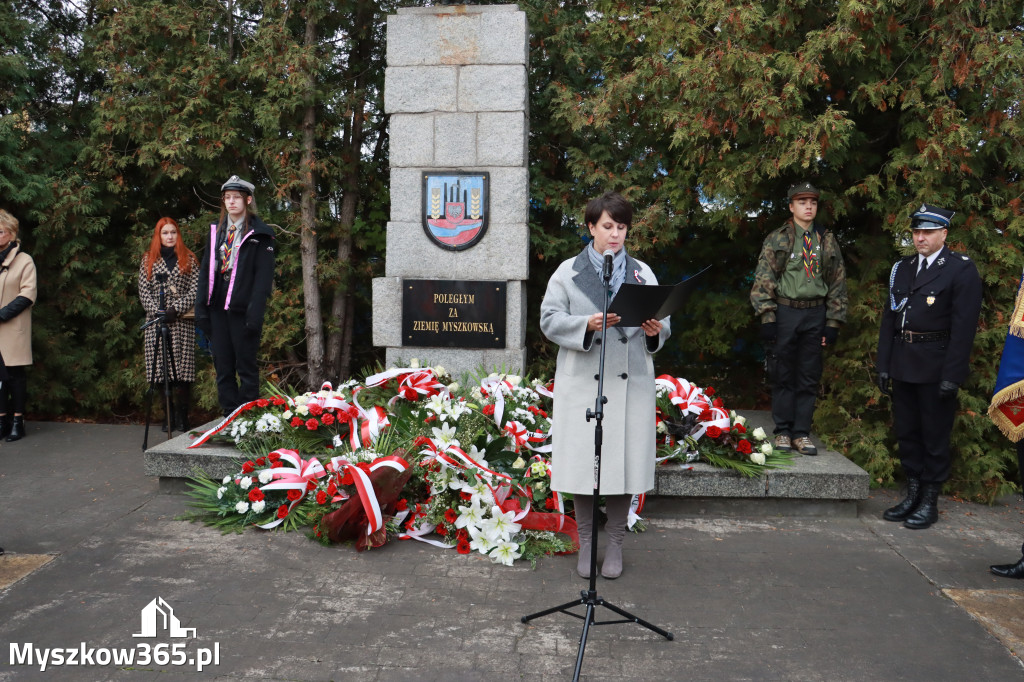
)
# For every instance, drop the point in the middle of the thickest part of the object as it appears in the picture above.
(606, 272)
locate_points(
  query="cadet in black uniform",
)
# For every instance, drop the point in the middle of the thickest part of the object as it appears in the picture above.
(235, 281)
(928, 327)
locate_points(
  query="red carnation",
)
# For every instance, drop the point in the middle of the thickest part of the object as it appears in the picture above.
(312, 424)
(296, 422)
(327, 419)
(488, 410)
(463, 547)
(550, 503)
(295, 495)
(310, 485)
(365, 466)
(278, 400)
(420, 440)
(402, 504)
(739, 428)
(709, 391)
(273, 456)
(277, 465)
(744, 447)
(450, 515)
(321, 497)
(262, 461)
(714, 432)
(332, 489)
(315, 409)
(255, 495)
(347, 479)
(282, 511)
(262, 402)
(248, 467)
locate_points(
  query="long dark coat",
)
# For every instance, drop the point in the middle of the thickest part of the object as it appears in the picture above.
(573, 295)
(945, 298)
(180, 293)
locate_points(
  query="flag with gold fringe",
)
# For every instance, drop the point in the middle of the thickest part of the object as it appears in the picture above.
(1007, 407)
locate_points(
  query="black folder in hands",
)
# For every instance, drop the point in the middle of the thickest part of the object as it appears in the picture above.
(637, 303)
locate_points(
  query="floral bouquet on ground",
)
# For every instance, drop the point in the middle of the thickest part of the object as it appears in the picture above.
(694, 425)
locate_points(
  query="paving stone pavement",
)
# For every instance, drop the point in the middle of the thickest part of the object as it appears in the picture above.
(747, 598)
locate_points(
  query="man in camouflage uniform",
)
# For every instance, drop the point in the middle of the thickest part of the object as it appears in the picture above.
(799, 293)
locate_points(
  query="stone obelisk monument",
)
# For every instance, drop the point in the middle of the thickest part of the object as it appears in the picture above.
(454, 290)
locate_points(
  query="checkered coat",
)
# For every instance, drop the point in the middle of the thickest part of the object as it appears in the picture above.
(180, 294)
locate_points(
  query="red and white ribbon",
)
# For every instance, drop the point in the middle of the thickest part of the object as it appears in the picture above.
(296, 477)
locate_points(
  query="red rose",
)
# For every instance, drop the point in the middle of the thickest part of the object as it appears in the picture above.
(282, 511)
(450, 515)
(744, 447)
(262, 402)
(714, 432)
(402, 504)
(296, 422)
(273, 456)
(709, 391)
(315, 409)
(705, 416)
(321, 497)
(717, 402)
(488, 410)
(248, 467)
(295, 495)
(327, 419)
(739, 428)
(255, 495)
(463, 547)
(312, 424)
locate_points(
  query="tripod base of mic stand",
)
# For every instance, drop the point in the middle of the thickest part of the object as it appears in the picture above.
(591, 600)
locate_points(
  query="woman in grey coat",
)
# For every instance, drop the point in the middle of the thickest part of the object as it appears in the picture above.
(570, 316)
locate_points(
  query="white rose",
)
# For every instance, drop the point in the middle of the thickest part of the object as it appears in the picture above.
(258, 506)
(242, 507)
(440, 371)
(414, 363)
(757, 457)
(741, 420)
(766, 448)
(519, 463)
(759, 433)
(453, 387)
(661, 427)
(732, 414)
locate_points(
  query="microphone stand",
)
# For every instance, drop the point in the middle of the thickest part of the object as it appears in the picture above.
(589, 597)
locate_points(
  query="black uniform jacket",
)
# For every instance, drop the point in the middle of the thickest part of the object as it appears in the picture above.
(252, 281)
(946, 298)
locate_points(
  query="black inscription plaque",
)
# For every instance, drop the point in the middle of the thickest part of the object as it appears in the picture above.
(453, 313)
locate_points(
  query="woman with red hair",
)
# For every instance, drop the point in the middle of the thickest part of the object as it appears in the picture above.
(169, 267)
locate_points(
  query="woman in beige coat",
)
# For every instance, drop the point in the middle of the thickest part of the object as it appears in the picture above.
(17, 294)
(571, 316)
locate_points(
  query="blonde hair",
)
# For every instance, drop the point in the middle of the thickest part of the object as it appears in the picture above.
(9, 223)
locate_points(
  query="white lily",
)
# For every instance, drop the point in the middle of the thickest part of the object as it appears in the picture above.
(445, 436)
(470, 515)
(500, 524)
(479, 541)
(505, 553)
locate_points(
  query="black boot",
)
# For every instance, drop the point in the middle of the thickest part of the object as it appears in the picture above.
(182, 394)
(905, 508)
(17, 429)
(927, 512)
(1009, 570)
(6, 421)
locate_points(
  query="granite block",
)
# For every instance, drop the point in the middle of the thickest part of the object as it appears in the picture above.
(418, 89)
(503, 250)
(454, 140)
(703, 480)
(387, 311)
(492, 88)
(406, 194)
(459, 361)
(501, 139)
(412, 140)
(468, 34)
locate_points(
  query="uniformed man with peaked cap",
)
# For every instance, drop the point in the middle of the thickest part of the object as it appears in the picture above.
(928, 326)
